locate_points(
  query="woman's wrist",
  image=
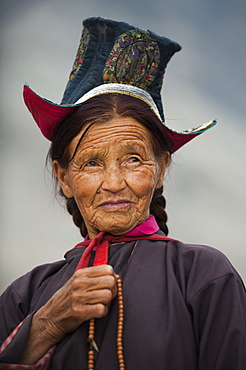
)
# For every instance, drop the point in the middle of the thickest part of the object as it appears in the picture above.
(42, 337)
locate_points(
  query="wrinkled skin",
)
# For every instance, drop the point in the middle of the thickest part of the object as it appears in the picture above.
(87, 294)
(112, 177)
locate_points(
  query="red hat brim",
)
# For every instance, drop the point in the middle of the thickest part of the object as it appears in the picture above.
(49, 115)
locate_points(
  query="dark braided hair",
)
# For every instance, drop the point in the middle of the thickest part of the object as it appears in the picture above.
(157, 209)
(101, 109)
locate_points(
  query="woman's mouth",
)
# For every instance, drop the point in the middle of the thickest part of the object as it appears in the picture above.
(116, 204)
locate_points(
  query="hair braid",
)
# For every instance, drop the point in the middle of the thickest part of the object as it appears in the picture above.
(157, 209)
(73, 209)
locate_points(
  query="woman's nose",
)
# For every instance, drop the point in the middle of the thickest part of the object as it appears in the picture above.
(113, 179)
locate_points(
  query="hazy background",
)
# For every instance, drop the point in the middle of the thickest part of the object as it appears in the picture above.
(205, 186)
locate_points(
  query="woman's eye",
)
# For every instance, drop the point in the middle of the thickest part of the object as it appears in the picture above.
(134, 159)
(91, 164)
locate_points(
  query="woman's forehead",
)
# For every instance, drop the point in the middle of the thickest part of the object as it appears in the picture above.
(116, 130)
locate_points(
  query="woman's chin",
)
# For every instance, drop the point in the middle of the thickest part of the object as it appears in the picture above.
(117, 225)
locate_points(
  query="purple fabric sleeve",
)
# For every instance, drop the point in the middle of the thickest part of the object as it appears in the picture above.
(13, 352)
(219, 317)
(17, 305)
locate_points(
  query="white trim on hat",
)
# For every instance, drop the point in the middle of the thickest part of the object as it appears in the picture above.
(111, 88)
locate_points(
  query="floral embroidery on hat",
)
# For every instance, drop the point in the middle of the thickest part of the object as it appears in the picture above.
(85, 37)
(134, 60)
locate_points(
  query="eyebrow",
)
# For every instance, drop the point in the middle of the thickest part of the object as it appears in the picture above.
(134, 147)
(95, 149)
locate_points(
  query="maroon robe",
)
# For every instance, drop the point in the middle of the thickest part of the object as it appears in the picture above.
(185, 309)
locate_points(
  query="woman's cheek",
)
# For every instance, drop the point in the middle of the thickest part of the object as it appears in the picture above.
(82, 188)
(84, 181)
(143, 181)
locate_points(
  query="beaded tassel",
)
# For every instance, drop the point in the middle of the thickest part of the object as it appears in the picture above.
(119, 339)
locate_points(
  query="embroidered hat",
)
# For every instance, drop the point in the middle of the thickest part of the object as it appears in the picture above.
(113, 57)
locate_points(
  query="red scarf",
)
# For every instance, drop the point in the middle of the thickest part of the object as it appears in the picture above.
(102, 241)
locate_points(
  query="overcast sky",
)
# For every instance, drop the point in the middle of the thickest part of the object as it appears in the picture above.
(205, 185)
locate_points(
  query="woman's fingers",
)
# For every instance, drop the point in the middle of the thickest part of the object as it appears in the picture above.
(86, 295)
(94, 280)
(91, 285)
(95, 271)
(90, 297)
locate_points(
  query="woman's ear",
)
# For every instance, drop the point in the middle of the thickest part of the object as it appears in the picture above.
(163, 164)
(62, 177)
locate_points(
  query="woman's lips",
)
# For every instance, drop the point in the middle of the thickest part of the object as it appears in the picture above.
(114, 205)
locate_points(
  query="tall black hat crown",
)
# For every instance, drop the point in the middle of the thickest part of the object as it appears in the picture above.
(113, 57)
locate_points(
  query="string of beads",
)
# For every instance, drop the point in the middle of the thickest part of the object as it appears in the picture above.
(119, 336)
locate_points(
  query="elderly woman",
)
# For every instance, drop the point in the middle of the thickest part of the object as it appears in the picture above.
(127, 296)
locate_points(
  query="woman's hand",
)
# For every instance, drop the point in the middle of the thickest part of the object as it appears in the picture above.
(87, 294)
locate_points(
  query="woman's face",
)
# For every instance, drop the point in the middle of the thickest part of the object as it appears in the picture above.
(113, 175)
